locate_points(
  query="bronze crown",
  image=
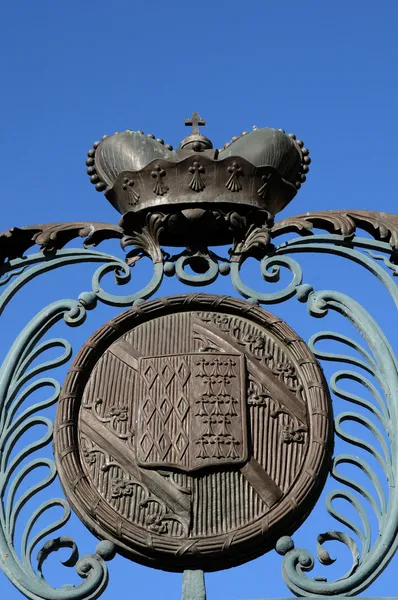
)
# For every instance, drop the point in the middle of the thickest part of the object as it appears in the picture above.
(259, 170)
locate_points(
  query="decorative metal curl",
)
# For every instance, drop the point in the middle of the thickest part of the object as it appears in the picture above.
(208, 268)
(15, 389)
(19, 271)
(270, 268)
(382, 364)
(122, 276)
(332, 244)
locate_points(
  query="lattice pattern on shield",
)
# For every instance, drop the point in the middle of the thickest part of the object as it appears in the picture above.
(191, 411)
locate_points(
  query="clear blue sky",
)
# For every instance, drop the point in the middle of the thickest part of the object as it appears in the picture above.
(73, 71)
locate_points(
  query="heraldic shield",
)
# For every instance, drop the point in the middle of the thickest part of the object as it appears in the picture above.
(191, 411)
(193, 432)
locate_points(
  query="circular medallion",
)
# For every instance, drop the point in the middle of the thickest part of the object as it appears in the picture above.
(194, 431)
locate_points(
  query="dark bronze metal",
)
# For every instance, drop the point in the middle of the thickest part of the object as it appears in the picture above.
(260, 170)
(196, 141)
(195, 121)
(250, 232)
(193, 431)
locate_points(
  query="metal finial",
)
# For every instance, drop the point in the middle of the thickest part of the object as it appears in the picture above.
(196, 121)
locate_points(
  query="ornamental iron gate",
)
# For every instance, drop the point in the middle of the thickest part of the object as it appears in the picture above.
(196, 432)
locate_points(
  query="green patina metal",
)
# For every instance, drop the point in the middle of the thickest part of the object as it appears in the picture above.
(19, 382)
(193, 585)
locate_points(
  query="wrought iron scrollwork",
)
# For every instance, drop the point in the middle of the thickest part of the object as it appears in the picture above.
(381, 364)
(18, 383)
(376, 371)
(382, 226)
(368, 560)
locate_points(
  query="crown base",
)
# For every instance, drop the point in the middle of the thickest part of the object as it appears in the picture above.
(194, 226)
(198, 183)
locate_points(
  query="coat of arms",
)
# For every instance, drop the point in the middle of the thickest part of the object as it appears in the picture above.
(201, 427)
(191, 411)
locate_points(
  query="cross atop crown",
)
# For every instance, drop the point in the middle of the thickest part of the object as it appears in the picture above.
(196, 141)
(196, 121)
